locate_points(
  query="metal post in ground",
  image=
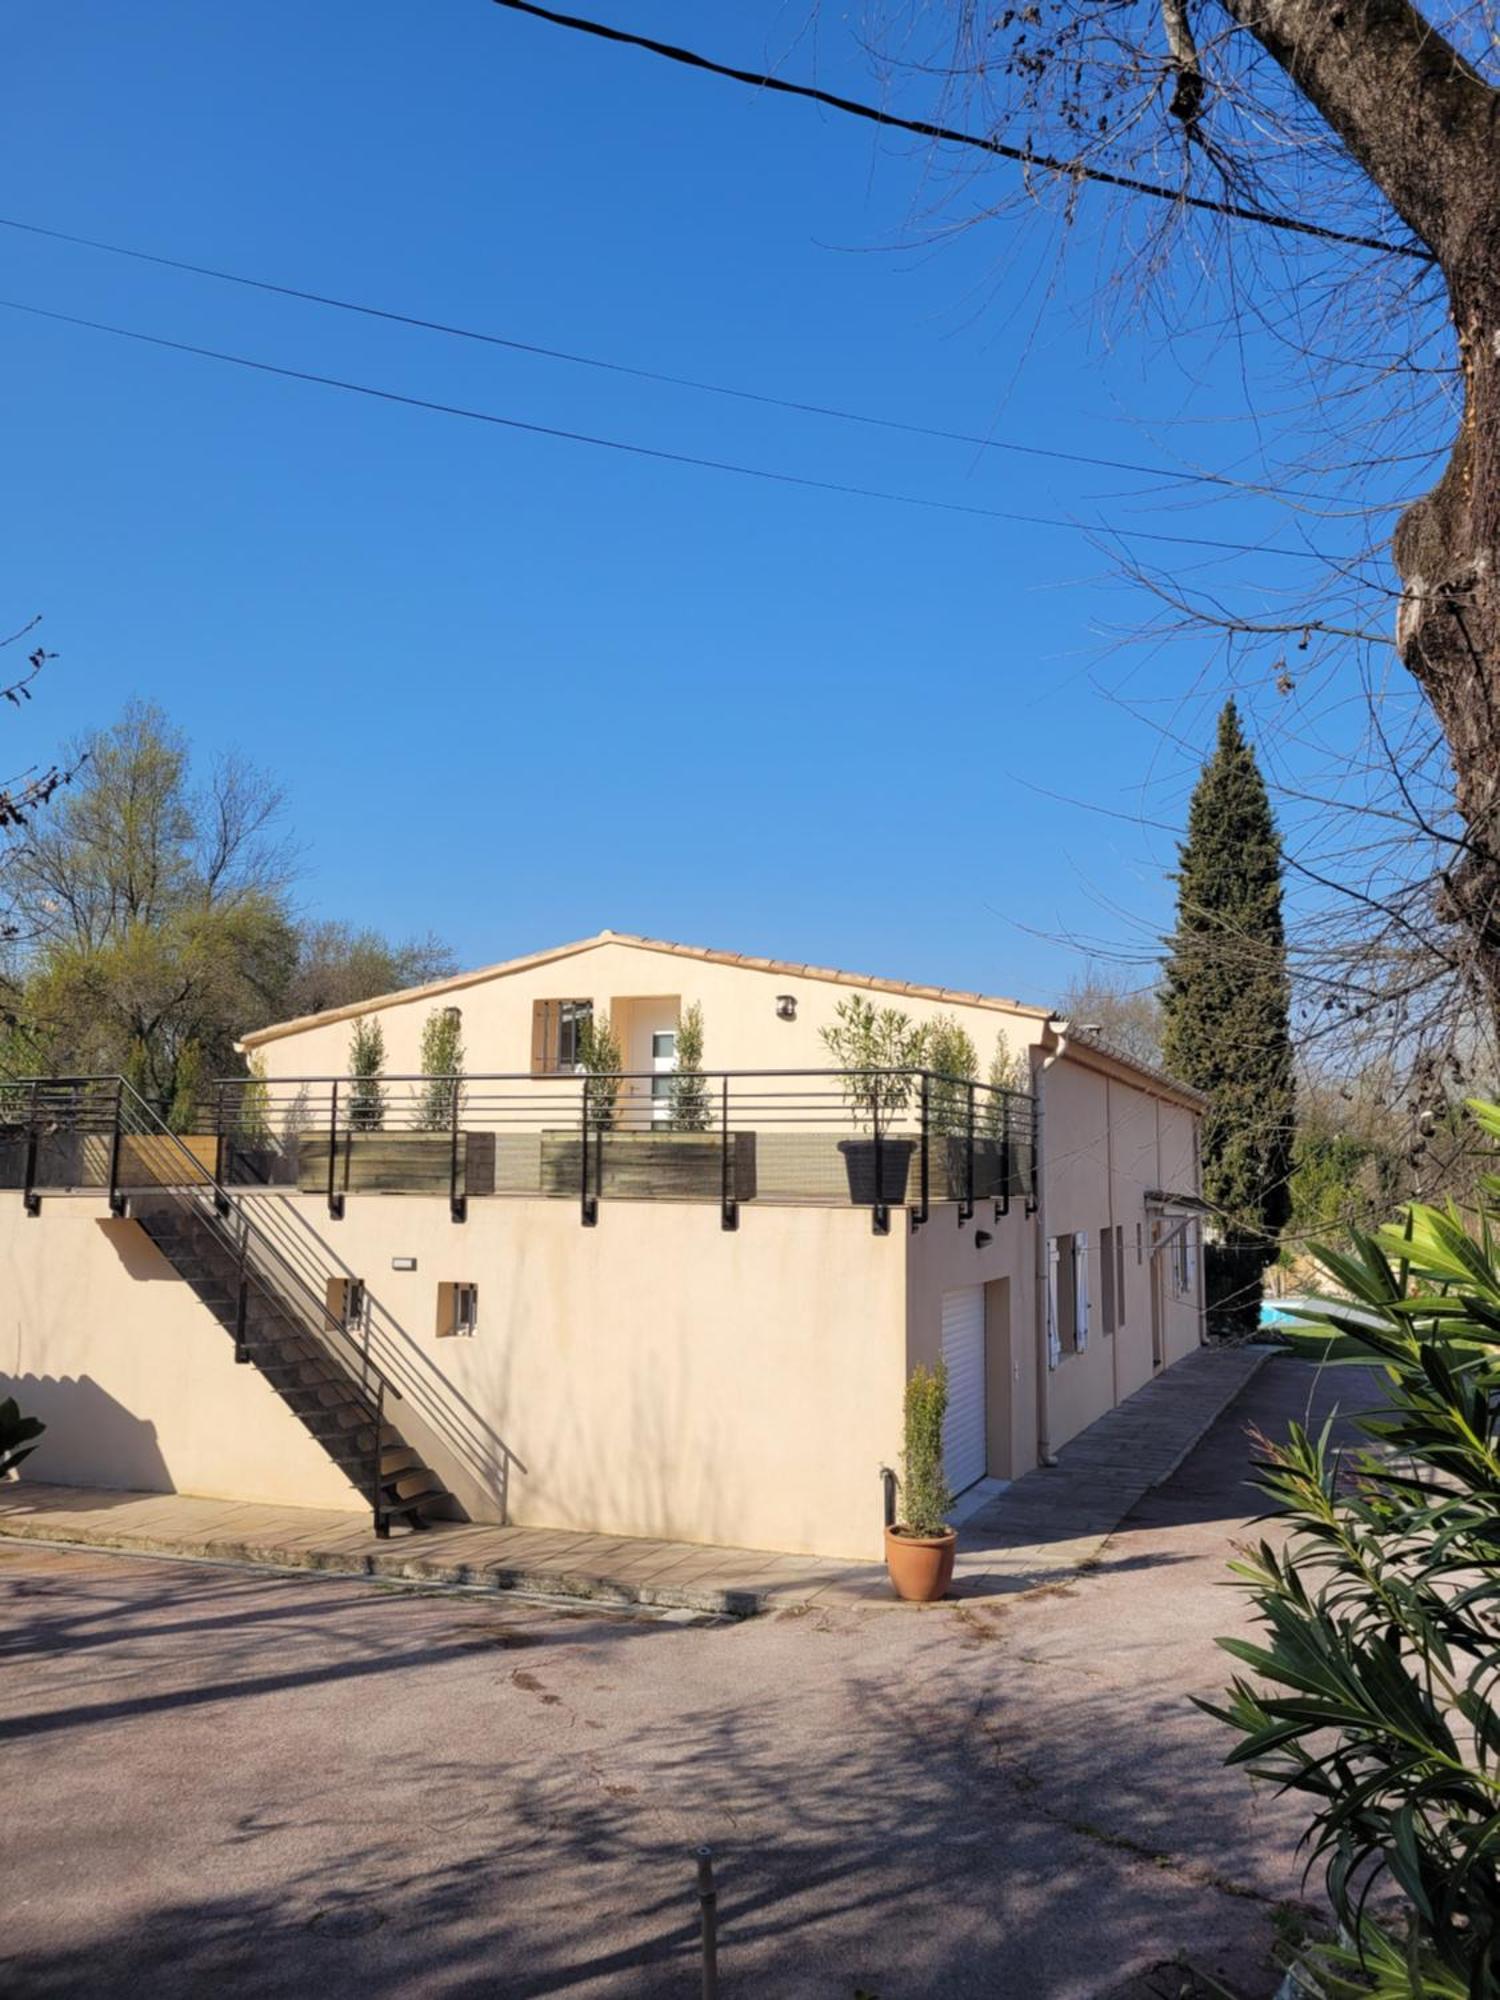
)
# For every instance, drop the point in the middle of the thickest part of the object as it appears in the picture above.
(708, 1918)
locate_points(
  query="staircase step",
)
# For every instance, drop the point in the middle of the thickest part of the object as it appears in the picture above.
(421, 1485)
(297, 1357)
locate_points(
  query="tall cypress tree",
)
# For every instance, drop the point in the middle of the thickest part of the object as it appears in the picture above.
(1226, 1004)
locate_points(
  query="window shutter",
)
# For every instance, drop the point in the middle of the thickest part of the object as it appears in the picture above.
(1107, 1278)
(1081, 1290)
(1120, 1274)
(1054, 1337)
(1190, 1259)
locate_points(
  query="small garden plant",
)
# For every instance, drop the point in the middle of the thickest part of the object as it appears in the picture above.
(690, 1110)
(599, 1057)
(17, 1435)
(879, 1049)
(442, 1063)
(366, 1062)
(950, 1054)
(925, 1498)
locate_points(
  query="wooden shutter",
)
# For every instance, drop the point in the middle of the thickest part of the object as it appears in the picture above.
(1081, 1290)
(1107, 1278)
(1054, 1336)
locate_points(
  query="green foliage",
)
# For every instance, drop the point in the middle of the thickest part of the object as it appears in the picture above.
(188, 1084)
(949, 1053)
(152, 902)
(442, 1063)
(1008, 1071)
(925, 1498)
(366, 1062)
(1372, 1688)
(16, 1433)
(878, 1048)
(253, 1111)
(600, 1059)
(155, 912)
(690, 1107)
(1226, 999)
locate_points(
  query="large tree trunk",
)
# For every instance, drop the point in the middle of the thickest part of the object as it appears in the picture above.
(1425, 126)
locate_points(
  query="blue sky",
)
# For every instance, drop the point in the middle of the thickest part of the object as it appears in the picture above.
(519, 689)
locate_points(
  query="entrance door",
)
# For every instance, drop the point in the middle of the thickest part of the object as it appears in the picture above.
(663, 1063)
(964, 1455)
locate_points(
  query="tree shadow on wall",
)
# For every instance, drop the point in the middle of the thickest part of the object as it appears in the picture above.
(91, 1438)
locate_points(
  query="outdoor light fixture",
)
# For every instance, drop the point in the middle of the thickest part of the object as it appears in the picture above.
(453, 1014)
(403, 1263)
(786, 1006)
(982, 1239)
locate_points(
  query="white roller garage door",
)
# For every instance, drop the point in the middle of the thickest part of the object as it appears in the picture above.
(963, 1350)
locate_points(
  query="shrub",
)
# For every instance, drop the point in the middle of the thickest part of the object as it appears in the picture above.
(1374, 1689)
(16, 1433)
(599, 1057)
(950, 1054)
(877, 1048)
(442, 1064)
(925, 1498)
(253, 1118)
(690, 1111)
(366, 1061)
(187, 1089)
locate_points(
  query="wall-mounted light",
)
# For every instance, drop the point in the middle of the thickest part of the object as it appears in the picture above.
(786, 1006)
(982, 1239)
(403, 1263)
(453, 1014)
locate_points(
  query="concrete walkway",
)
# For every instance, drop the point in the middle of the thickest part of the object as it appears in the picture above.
(1045, 1526)
(1057, 1519)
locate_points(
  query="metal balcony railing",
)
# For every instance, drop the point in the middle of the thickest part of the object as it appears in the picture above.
(878, 1138)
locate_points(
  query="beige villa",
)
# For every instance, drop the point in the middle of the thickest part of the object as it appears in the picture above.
(650, 1302)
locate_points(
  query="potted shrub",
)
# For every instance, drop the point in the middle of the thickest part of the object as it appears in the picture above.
(919, 1547)
(879, 1050)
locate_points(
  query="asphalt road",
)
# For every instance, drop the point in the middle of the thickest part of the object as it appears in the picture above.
(221, 1782)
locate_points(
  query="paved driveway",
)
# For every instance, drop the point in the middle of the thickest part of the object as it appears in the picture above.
(225, 1783)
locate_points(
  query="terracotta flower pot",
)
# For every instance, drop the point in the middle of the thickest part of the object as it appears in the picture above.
(920, 1566)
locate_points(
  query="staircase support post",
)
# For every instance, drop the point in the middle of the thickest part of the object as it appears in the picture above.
(382, 1525)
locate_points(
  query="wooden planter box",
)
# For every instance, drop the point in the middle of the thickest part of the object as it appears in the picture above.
(147, 1160)
(947, 1169)
(396, 1163)
(651, 1166)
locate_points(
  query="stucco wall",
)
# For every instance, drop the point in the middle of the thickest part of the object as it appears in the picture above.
(741, 1026)
(1106, 1143)
(942, 1257)
(656, 1375)
(135, 1380)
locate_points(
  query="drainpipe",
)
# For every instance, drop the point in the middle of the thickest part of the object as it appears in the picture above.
(1045, 1455)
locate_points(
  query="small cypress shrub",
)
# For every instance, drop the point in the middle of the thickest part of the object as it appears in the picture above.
(187, 1089)
(925, 1498)
(442, 1064)
(366, 1061)
(953, 1059)
(253, 1122)
(599, 1055)
(690, 1112)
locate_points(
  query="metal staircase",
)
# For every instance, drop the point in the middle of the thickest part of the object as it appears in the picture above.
(265, 1282)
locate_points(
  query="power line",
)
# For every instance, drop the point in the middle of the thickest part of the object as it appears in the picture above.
(487, 339)
(950, 136)
(643, 450)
